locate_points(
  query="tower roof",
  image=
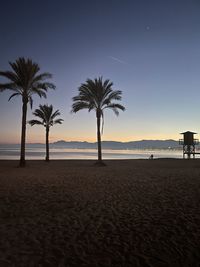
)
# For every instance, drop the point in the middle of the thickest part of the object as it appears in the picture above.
(188, 132)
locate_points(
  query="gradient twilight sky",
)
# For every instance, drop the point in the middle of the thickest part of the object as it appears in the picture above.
(150, 50)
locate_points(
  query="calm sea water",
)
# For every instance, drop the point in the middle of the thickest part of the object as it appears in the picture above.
(11, 152)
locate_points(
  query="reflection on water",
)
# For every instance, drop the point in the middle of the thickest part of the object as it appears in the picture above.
(8, 152)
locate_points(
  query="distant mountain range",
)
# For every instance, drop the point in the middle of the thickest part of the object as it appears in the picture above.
(143, 144)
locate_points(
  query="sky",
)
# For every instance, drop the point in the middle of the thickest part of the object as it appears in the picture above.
(149, 49)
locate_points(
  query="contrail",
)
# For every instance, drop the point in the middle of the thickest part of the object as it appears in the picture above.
(118, 60)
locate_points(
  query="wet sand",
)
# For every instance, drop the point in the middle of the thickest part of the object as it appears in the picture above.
(129, 213)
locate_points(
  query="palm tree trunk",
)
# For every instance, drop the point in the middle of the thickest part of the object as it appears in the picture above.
(99, 137)
(47, 143)
(22, 162)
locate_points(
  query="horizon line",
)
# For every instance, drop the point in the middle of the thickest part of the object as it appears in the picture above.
(91, 142)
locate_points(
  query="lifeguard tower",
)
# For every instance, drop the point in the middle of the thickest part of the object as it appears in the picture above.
(188, 142)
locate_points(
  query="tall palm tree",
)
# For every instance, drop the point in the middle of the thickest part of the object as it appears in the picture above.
(47, 116)
(97, 95)
(25, 81)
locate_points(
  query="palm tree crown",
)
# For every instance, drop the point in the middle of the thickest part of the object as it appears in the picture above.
(46, 115)
(97, 95)
(25, 80)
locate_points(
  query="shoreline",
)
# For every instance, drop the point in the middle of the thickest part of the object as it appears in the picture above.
(34, 154)
(104, 160)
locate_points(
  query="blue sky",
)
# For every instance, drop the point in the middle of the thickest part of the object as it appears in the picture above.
(149, 49)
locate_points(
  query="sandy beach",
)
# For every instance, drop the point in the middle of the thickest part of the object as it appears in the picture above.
(129, 213)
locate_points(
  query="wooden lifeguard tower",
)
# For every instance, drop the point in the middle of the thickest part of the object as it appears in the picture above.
(188, 142)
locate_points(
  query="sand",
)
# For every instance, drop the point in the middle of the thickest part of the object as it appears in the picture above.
(129, 213)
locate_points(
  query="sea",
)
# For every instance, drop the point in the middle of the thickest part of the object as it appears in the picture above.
(12, 152)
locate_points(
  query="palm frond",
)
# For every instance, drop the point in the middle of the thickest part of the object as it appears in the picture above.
(115, 107)
(10, 86)
(55, 114)
(39, 92)
(113, 95)
(34, 122)
(58, 121)
(42, 77)
(39, 113)
(30, 99)
(44, 86)
(107, 84)
(9, 75)
(79, 105)
(15, 94)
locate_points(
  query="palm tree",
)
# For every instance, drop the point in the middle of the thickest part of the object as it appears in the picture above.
(47, 116)
(97, 95)
(25, 81)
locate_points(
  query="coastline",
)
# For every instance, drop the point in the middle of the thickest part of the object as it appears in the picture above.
(39, 154)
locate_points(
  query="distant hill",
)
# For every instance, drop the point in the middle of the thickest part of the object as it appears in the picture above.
(143, 144)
